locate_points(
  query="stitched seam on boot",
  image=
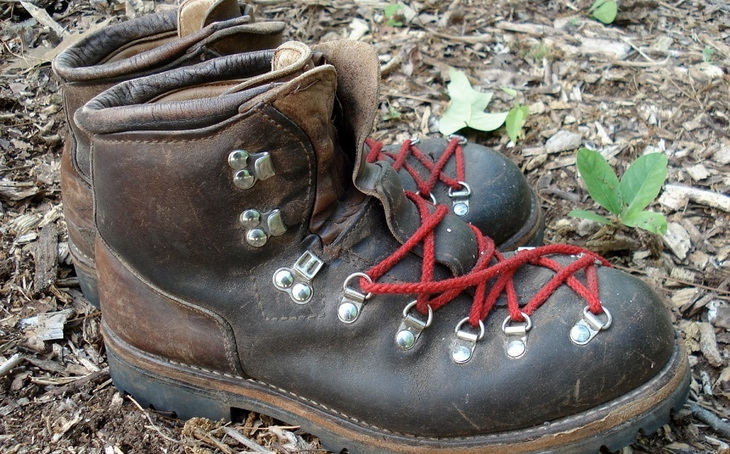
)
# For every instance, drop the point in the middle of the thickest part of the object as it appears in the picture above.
(224, 327)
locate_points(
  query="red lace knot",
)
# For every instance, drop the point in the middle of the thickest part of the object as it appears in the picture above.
(492, 275)
(434, 171)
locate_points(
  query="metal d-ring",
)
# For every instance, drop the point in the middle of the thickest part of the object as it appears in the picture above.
(462, 348)
(462, 139)
(352, 301)
(516, 342)
(411, 328)
(460, 199)
(589, 326)
(431, 196)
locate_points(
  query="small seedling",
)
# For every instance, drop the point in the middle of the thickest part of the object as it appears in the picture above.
(604, 11)
(515, 120)
(707, 54)
(467, 108)
(625, 199)
(392, 114)
(391, 14)
(538, 52)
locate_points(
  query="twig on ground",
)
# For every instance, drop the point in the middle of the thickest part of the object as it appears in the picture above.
(11, 363)
(43, 17)
(718, 424)
(247, 442)
(152, 424)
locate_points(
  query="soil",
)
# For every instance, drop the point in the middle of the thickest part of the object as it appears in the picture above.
(655, 80)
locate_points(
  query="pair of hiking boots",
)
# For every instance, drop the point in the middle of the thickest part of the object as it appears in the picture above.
(250, 248)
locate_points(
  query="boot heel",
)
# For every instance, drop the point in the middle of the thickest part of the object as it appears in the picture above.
(162, 394)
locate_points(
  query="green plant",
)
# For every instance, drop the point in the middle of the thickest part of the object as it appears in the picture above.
(625, 199)
(392, 114)
(707, 54)
(467, 107)
(515, 120)
(391, 14)
(539, 51)
(604, 10)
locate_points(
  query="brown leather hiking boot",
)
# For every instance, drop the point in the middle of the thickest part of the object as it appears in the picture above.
(492, 193)
(198, 30)
(323, 294)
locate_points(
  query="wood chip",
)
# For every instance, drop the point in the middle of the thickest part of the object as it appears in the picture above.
(605, 47)
(677, 239)
(708, 345)
(563, 141)
(698, 172)
(48, 326)
(46, 258)
(684, 298)
(676, 196)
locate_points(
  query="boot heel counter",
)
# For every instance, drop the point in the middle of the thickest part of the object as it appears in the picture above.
(175, 330)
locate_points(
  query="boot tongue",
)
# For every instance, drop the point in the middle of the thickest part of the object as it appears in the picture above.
(358, 76)
(194, 15)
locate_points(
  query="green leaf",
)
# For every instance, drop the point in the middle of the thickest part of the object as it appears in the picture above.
(604, 10)
(390, 11)
(510, 91)
(583, 214)
(486, 121)
(515, 120)
(467, 107)
(601, 181)
(642, 181)
(647, 220)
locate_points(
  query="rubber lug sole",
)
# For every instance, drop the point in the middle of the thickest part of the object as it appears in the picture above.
(188, 391)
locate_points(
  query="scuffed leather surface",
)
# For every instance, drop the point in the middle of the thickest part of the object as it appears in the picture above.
(88, 67)
(79, 216)
(501, 199)
(167, 208)
(176, 330)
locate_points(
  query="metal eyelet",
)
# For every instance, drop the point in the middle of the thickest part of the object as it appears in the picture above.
(460, 199)
(589, 326)
(462, 348)
(431, 196)
(260, 226)
(411, 328)
(516, 342)
(248, 168)
(462, 139)
(297, 280)
(352, 301)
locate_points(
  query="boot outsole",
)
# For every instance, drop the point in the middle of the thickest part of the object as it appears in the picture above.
(187, 391)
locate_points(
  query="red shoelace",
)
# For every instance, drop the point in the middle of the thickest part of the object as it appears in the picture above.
(491, 276)
(435, 170)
